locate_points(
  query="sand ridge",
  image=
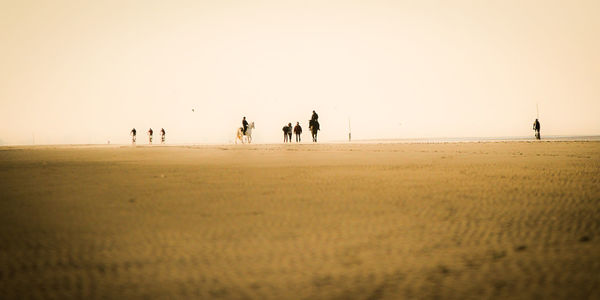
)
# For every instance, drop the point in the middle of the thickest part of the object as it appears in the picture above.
(325, 221)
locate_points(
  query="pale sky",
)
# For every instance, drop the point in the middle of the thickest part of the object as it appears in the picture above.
(90, 71)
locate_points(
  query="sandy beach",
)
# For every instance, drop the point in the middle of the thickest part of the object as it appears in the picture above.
(518, 220)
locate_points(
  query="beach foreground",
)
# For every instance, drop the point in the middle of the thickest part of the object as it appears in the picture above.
(334, 221)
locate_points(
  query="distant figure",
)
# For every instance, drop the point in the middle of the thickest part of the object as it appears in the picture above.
(286, 133)
(162, 135)
(133, 133)
(150, 132)
(244, 125)
(240, 135)
(314, 117)
(297, 131)
(290, 132)
(536, 128)
(314, 128)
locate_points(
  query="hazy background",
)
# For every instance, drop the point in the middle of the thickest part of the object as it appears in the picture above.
(89, 71)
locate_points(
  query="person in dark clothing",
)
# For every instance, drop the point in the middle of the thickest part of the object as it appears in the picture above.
(289, 132)
(150, 132)
(297, 131)
(314, 116)
(286, 129)
(133, 134)
(162, 135)
(244, 125)
(536, 128)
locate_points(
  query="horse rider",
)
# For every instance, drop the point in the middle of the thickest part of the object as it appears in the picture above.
(162, 135)
(244, 126)
(314, 117)
(150, 132)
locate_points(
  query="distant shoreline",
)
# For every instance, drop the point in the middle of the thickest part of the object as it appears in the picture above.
(582, 138)
(592, 138)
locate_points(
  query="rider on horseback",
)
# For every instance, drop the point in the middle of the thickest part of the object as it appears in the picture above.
(314, 125)
(314, 117)
(244, 126)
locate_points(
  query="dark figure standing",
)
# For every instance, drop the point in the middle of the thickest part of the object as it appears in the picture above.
(313, 125)
(289, 132)
(244, 125)
(133, 134)
(297, 131)
(162, 135)
(536, 128)
(286, 131)
(150, 132)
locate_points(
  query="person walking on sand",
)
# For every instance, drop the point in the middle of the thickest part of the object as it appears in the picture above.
(150, 132)
(285, 133)
(133, 133)
(298, 131)
(244, 125)
(536, 128)
(289, 132)
(162, 135)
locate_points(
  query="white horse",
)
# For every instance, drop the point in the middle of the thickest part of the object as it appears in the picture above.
(240, 134)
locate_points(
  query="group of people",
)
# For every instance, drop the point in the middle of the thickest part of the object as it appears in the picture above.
(163, 134)
(287, 132)
(297, 130)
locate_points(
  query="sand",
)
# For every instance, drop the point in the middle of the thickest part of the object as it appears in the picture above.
(328, 221)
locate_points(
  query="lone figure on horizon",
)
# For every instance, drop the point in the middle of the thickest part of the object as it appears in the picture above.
(133, 133)
(536, 128)
(150, 132)
(298, 131)
(162, 135)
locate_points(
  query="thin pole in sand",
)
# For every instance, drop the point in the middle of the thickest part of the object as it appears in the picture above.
(349, 131)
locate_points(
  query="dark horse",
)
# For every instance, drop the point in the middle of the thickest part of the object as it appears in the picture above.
(314, 128)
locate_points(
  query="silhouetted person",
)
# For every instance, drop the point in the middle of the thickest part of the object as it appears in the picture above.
(244, 125)
(162, 135)
(290, 132)
(286, 135)
(133, 134)
(314, 127)
(536, 128)
(298, 131)
(150, 132)
(314, 117)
